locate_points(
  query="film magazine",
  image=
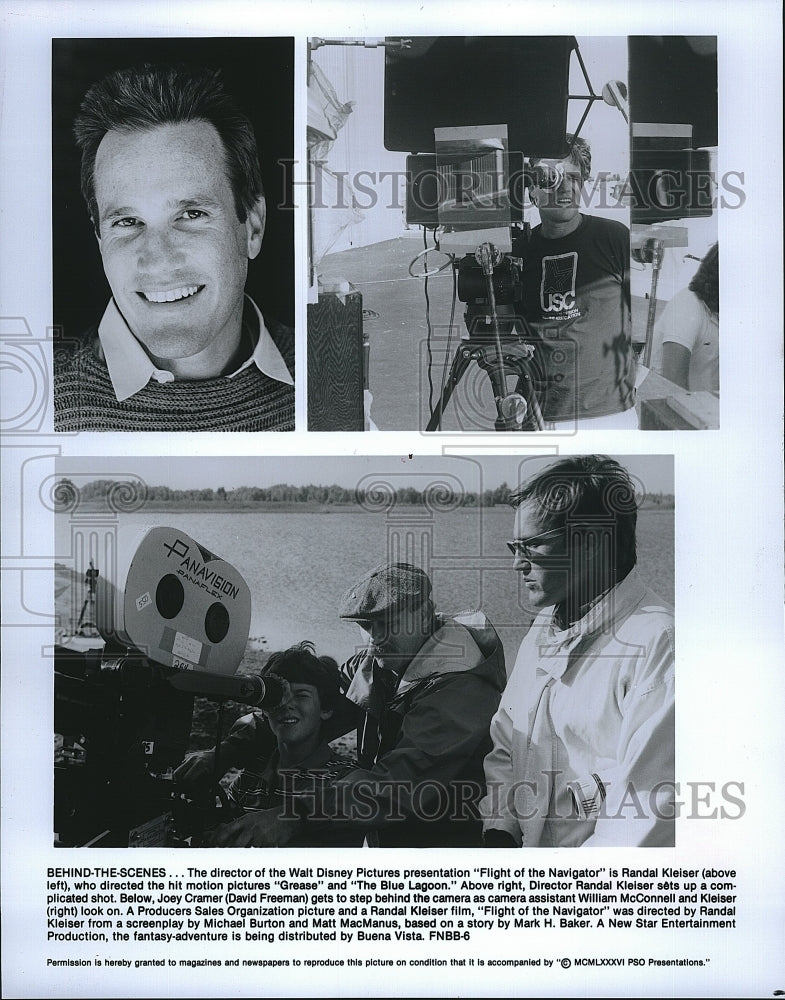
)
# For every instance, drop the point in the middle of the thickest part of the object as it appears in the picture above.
(149, 577)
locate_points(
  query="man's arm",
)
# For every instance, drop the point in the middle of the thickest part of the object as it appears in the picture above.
(625, 270)
(639, 808)
(440, 734)
(499, 822)
(676, 363)
(250, 737)
(677, 330)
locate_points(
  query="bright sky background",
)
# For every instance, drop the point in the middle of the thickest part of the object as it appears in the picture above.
(605, 130)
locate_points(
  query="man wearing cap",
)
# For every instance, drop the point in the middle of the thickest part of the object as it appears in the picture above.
(428, 686)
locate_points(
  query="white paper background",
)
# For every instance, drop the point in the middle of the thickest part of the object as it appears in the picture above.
(729, 520)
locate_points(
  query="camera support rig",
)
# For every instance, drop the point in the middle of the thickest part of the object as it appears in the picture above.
(488, 282)
(123, 723)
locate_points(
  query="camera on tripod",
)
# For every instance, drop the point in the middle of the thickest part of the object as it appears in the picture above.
(468, 182)
(472, 288)
(489, 282)
(174, 619)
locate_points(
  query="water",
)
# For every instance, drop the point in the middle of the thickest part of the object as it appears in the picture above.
(299, 564)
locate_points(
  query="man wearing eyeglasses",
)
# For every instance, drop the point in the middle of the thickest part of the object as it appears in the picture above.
(576, 300)
(583, 740)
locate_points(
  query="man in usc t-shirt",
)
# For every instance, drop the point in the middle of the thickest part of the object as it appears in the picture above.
(576, 299)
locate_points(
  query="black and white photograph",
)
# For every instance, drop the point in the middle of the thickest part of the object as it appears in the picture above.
(173, 270)
(268, 699)
(471, 266)
(675, 250)
(428, 584)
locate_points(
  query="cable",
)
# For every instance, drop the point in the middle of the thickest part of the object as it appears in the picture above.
(425, 276)
(391, 281)
(450, 262)
(429, 345)
(424, 253)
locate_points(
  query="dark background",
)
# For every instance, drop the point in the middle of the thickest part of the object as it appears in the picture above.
(522, 81)
(259, 73)
(673, 78)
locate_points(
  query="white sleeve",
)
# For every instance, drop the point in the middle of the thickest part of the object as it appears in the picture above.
(639, 805)
(499, 782)
(680, 323)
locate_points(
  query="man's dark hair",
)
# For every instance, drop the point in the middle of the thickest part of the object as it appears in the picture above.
(299, 664)
(706, 280)
(585, 491)
(144, 97)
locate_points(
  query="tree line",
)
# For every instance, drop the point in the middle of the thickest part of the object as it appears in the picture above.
(101, 490)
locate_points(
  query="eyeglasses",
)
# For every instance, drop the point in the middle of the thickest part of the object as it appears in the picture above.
(520, 547)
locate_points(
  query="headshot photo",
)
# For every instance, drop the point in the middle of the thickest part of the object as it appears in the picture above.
(172, 239)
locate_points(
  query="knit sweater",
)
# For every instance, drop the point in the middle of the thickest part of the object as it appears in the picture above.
(85, 400)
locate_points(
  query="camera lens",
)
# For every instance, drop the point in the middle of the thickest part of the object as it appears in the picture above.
(272, 691)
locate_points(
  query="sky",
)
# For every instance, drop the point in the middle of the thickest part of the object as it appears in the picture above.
(475, 472)
(605, 130)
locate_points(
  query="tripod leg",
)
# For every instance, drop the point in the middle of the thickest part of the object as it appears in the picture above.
(493, 364)
(457, 370)
(526, 389)
(81, 613)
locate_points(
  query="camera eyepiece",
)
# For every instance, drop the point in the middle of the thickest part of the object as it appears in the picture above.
(548, 176)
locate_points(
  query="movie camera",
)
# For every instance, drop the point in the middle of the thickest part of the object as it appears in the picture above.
(467, 183)
(174, 619)
(498, 338)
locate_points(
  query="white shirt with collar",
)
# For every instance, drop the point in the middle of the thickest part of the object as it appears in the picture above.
(131, 368)
(583, 741)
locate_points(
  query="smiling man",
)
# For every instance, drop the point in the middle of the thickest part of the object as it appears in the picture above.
(576, 300)
(583, 740)
(171, 177)
(425, 686)
(282, 751)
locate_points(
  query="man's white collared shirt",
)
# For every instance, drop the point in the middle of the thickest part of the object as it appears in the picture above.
(130, 367)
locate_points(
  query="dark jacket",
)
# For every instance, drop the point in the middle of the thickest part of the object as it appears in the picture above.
(423, 739)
